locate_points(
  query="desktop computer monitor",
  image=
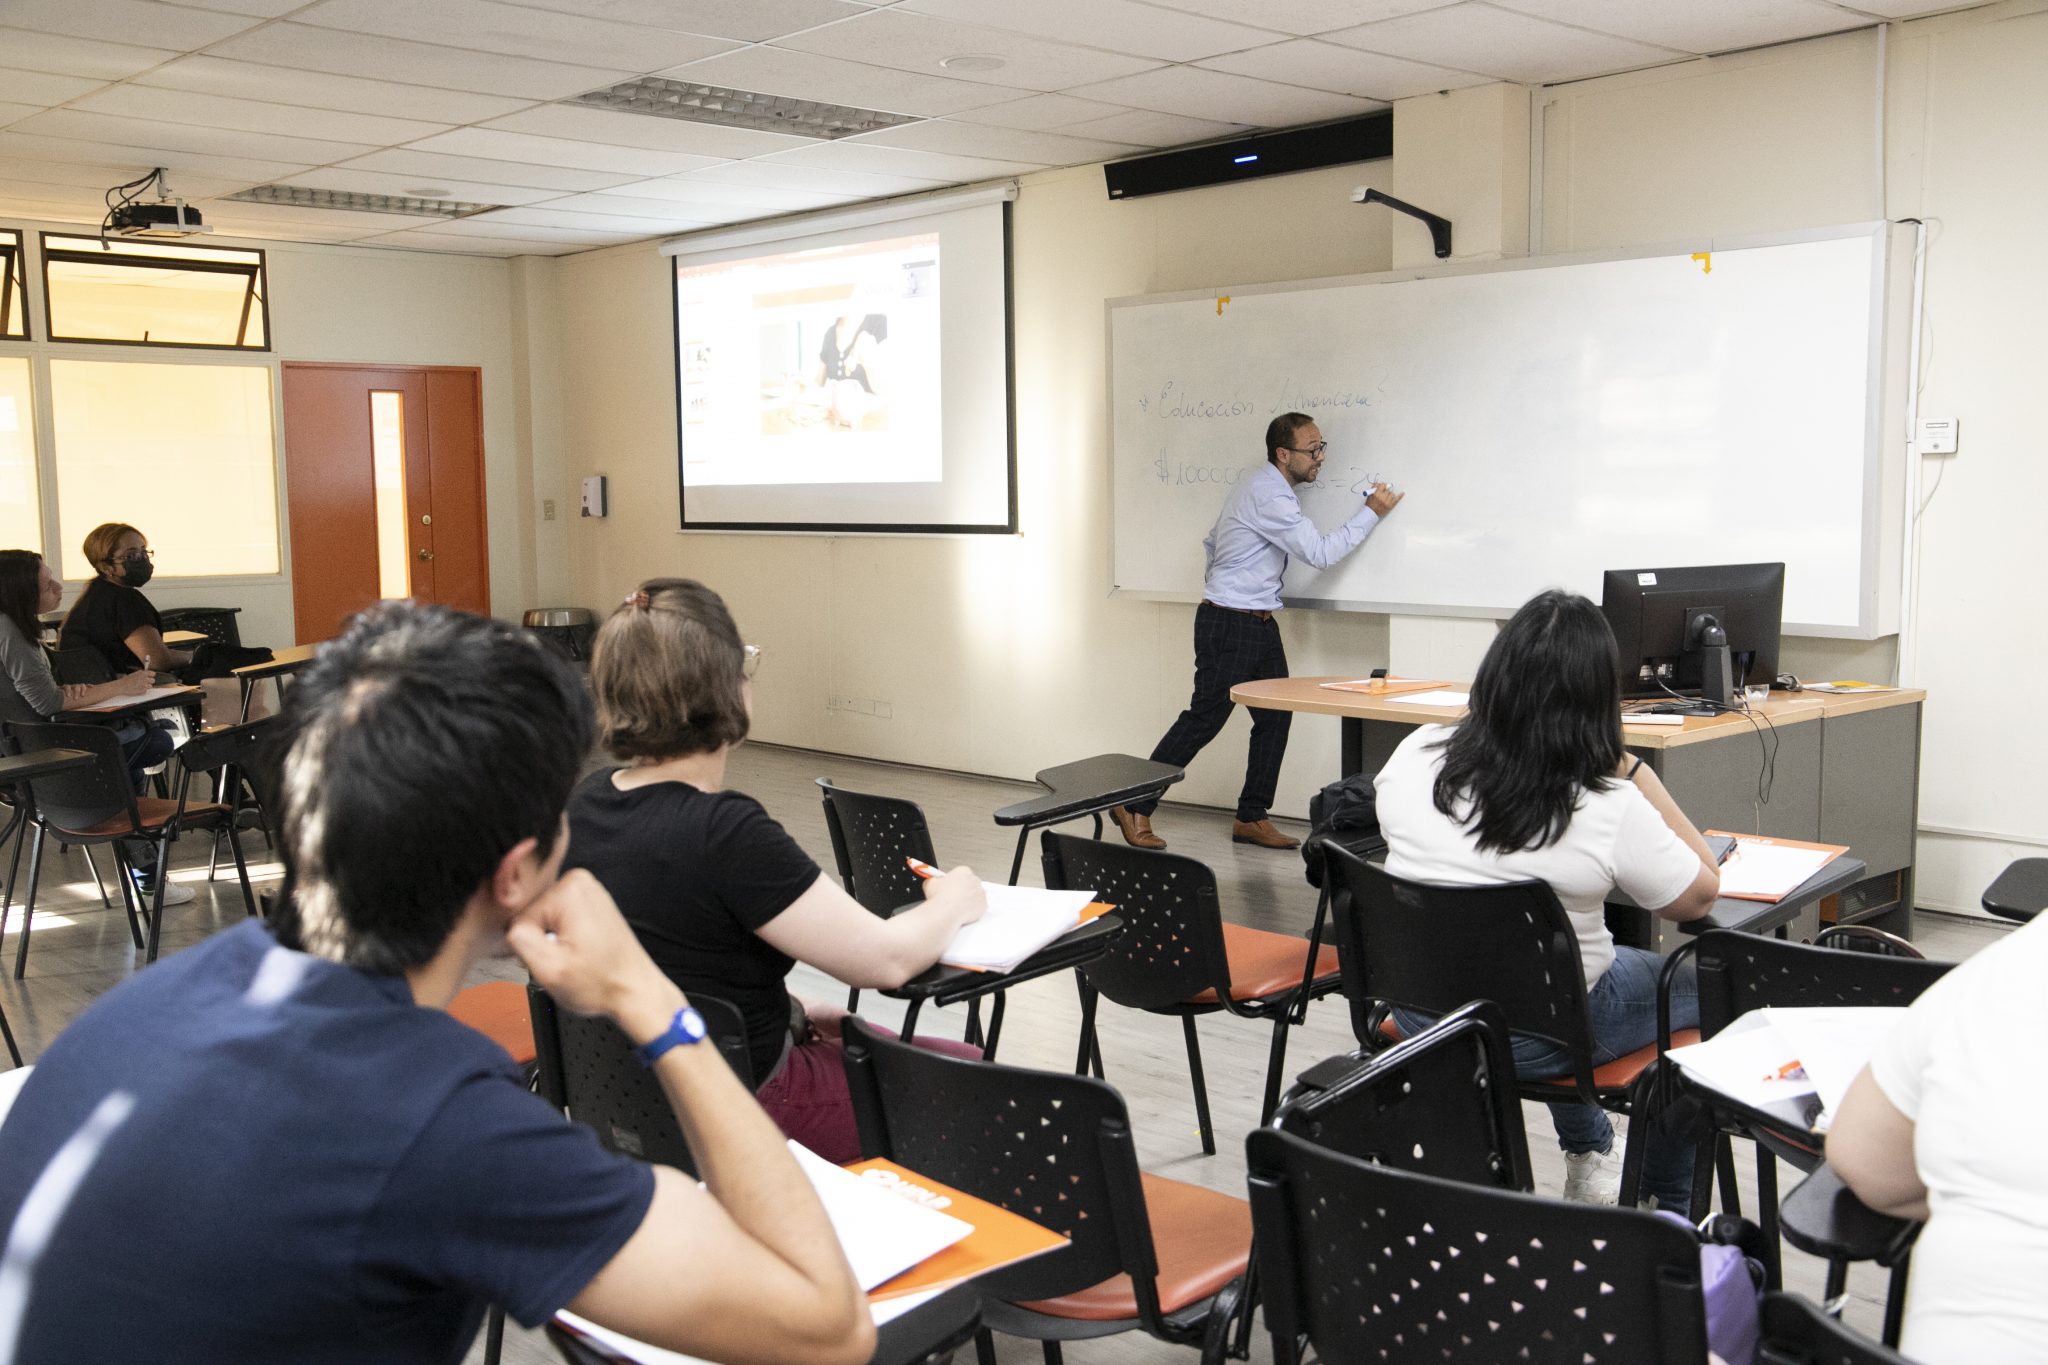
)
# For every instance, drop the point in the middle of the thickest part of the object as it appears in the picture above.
(1670, 624)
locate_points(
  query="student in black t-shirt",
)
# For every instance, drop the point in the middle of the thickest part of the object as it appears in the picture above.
(722, 898)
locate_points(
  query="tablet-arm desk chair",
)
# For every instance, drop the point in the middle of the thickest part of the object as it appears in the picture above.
(1177, 956)
(873, 837)
(1085, 788)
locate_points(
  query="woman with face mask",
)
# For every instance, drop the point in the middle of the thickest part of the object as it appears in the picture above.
(112, 616)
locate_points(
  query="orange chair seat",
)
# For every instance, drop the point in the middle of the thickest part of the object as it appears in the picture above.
(1264, 963)
(154, 811)
(1618, 1074)
(497, 1009)
(1201, 1239)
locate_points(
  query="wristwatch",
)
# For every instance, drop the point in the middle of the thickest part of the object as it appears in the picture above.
(686, 1028)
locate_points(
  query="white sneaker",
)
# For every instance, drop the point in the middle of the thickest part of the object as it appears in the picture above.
(175, 893)
(1593, 1177)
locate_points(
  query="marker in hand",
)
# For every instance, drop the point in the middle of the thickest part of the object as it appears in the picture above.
(924, 870)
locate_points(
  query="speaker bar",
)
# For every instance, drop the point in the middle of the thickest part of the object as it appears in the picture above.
(1370, 138)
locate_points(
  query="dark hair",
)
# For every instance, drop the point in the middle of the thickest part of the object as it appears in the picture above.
(668, 669)
(1544, 725)
(21, 591)
(424, 744)
(1280, 432)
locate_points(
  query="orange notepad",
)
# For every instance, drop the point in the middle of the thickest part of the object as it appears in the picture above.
(1382, 687)
(1766, 869)
(999, 1238)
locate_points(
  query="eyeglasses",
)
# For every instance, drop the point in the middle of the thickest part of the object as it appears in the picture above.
(133, 554)
(1317, 449)
(750, 660)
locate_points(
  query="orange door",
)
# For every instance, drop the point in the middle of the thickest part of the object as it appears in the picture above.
(384, 488)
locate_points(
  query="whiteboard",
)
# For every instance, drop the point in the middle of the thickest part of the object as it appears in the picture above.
(1548, 419)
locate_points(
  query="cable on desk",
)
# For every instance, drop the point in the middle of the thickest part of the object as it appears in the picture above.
(1767, 767)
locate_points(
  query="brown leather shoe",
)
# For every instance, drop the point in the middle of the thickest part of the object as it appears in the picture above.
(1137, 828)
(1260, 832)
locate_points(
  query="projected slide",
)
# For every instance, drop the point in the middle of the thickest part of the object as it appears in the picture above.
(812, 367)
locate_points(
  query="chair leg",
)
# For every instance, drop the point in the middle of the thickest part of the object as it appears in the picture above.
(1276, 1066)
(1724, 1162)
(973, 1033)
(494, 1335)
(853, 1000)
(28, 903)
(93, 866)
(995, 1025)
(984, 1347)
(130, 897)
(1767, 1218)
(156, 909)
(1838, 1280)
(241, 865)
(1051, 1350)
(13, 1048)
(1087, 1045)
(20, 832)
(1187, 1026)
(1895, 1300)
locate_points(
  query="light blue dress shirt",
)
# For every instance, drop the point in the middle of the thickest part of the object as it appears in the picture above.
(1260, 528)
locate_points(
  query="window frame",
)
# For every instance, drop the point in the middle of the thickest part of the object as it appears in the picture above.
(256, 293)
(14, 285)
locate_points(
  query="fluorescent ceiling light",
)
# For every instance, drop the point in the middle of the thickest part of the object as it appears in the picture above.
(306, 197)
(662, 98)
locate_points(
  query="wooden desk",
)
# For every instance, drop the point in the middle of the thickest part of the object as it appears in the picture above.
(281, 664)
(1847, 771)
(156, 699)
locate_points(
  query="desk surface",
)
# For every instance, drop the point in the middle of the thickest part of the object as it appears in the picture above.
(951, 985)
(157, 699)
(1783, 708)
(289, 660)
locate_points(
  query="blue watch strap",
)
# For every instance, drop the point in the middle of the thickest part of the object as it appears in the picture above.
(686, 1028)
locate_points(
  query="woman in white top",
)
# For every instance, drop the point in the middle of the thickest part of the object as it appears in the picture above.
(1945, 1125)
(1534, 785)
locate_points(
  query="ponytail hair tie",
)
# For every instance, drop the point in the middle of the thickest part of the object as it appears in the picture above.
(639, 598)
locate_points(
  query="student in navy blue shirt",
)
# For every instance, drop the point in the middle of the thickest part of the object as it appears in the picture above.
(276, 1146)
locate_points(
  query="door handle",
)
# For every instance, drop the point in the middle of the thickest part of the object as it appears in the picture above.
(426, 554)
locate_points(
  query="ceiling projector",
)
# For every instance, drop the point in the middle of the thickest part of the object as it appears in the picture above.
(171, 218)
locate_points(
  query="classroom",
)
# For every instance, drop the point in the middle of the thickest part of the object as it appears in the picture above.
(924, 664)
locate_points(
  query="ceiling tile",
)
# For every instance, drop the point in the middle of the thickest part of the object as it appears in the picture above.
(805, 75)
(262, 9)
(1039, 113)
(132, 159)
(1197, 93)
(436, 166)
(251, 116)
(1904, 9)
(77, 56)
(1346, 70)
(582, 124)
(441, 187)
(495, 144)
(674, 209)
(319, 90)
(74, 123)
(914, 42)
(360, 54)
(1722, 26)
(1118, 25)
(18, 197)
(83, 174)
(14, 113)
(528, 223)
(747, 21)
(710, 194)
(963, 139)
(1303, 17)
(855, 156)
(1515, 47)
(415, 239)
(853, 184)
(515, 31)
(44, 89)
(1149, 129)
(618, 224)
(126, 21)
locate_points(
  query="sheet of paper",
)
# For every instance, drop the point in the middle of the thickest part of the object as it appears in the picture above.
(1442, 696)
(1758, 870)
(640, 1353)
(1019, 921)
(1834, 1043)
(139, 699)
(883, 1234)
(1747, 1062)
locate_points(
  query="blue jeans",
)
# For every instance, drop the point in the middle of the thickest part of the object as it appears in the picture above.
(1622, 1009)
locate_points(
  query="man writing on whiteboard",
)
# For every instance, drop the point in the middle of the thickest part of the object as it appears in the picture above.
(1237, 638)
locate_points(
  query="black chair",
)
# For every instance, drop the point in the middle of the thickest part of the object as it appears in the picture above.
(589, 1069)
(1442, 1103)
(96, 805)
(1823, 1217)
(1373, 1264)
(2019, 892)
(1177, 956)
(79, 666)
(872, 839)
(925, 1335)
(1866, 938)
(226, 755)
(1145, 1252)
(1512, 945)
(215, 623)
(1796, 1332)
(1087, 787)
(1741, 972)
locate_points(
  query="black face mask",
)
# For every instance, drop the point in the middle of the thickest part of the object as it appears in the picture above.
(136, 570)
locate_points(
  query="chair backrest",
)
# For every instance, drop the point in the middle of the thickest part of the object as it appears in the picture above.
(1866, 938)
(81, 665)
(1798, 1332)
(1442, 1103)
(79, 798)
(1433, 948)
(1047, 1146)
(1172, 944)
(1374, 1264)
(872, 839)
(587, 1067)
(1742, 972)
(240, 745)
(215, 623)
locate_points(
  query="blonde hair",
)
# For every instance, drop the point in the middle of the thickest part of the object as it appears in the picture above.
(668, 672)
(101, 540)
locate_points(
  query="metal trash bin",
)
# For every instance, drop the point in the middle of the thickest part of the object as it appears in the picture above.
(569, 629)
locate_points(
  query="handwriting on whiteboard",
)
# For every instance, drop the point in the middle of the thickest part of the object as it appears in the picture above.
(1177, 403)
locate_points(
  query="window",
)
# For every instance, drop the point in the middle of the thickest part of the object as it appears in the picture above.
(184, 452)
(21, 519)
(155, 293)
(13, 288)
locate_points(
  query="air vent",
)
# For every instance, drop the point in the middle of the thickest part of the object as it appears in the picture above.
(306, 197)
(661, 98)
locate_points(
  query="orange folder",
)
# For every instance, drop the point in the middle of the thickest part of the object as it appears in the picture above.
(999, 1238)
